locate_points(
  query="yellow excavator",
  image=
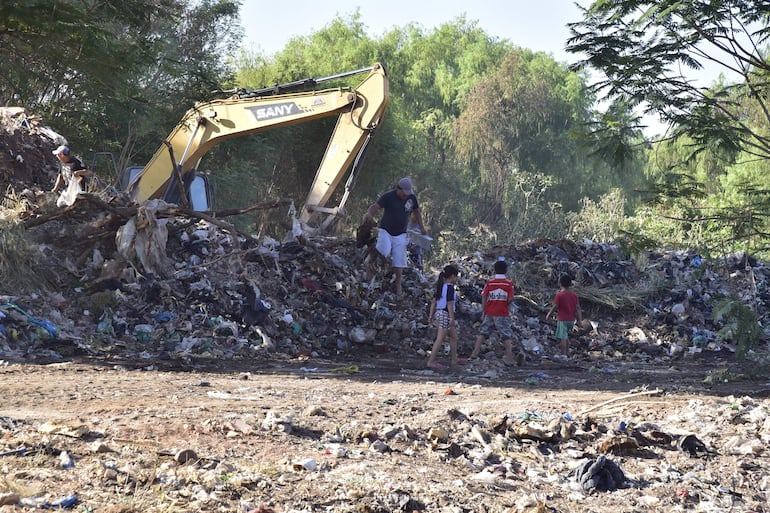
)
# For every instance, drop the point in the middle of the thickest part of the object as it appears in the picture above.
(172, 175)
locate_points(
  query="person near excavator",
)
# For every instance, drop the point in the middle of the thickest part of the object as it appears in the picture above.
(72, 173)
(397, 206)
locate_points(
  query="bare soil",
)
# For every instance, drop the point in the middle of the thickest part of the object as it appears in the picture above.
(322, 453)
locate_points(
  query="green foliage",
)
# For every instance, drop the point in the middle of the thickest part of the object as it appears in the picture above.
(431, 74)
(706, 174)
(725, 205)
(493, 135)
(114, 74)
(513, 115)
(516, 118)
(641, 48)
(527, 214)
(654, 226)
(726, 375)
(339, 46)
(601, 221)
(681, 156)
(739, 322)
(450, 244)
(281, 163)
(613, 135)
(746, 203)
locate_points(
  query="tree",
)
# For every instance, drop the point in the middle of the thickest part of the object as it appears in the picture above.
(432, 75)
(63, 58)
(519, 120)
(288, 168)
(646, 51)
(97, 70)
(643, 47)
(192, 48)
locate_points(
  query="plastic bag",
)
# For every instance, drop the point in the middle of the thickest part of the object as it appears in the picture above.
(70, 194)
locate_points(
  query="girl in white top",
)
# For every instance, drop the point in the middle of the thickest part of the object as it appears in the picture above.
(442, 312)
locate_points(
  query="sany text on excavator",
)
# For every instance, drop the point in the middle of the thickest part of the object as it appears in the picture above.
(360, 110)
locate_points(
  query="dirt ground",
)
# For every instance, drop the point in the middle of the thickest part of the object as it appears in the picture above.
(369, 432)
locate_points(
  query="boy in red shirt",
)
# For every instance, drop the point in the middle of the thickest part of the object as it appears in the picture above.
(568, 306)
(495, 299)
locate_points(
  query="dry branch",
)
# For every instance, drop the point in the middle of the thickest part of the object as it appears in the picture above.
(621, 398)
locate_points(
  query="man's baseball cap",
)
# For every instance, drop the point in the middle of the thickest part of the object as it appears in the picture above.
(63, 150)
(405, 184)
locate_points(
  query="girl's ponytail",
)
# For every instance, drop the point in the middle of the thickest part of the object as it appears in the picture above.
(439, 285)
(448, 272)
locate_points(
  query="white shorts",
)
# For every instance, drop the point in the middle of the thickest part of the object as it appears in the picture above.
(393, 247)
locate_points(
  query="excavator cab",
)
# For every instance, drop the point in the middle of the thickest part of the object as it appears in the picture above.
(197, 187)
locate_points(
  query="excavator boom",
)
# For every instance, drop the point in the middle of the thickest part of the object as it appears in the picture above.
(359, 110)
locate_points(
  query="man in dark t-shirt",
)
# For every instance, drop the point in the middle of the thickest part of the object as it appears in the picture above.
(398, 206)
(70, 168)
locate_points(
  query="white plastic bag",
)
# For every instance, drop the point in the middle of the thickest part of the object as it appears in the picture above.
(70, 194)
(148, 243)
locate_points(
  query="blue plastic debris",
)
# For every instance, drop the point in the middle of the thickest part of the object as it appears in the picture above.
(64, 502)
(48, 326)
(20, 450)
(164, 317)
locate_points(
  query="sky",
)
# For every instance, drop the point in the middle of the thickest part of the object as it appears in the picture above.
(539, 25)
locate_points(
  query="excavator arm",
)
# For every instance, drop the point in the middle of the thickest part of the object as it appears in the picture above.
(359, 112)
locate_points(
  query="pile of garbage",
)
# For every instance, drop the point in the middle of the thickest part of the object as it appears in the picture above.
(159, 282)
(180, 289)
